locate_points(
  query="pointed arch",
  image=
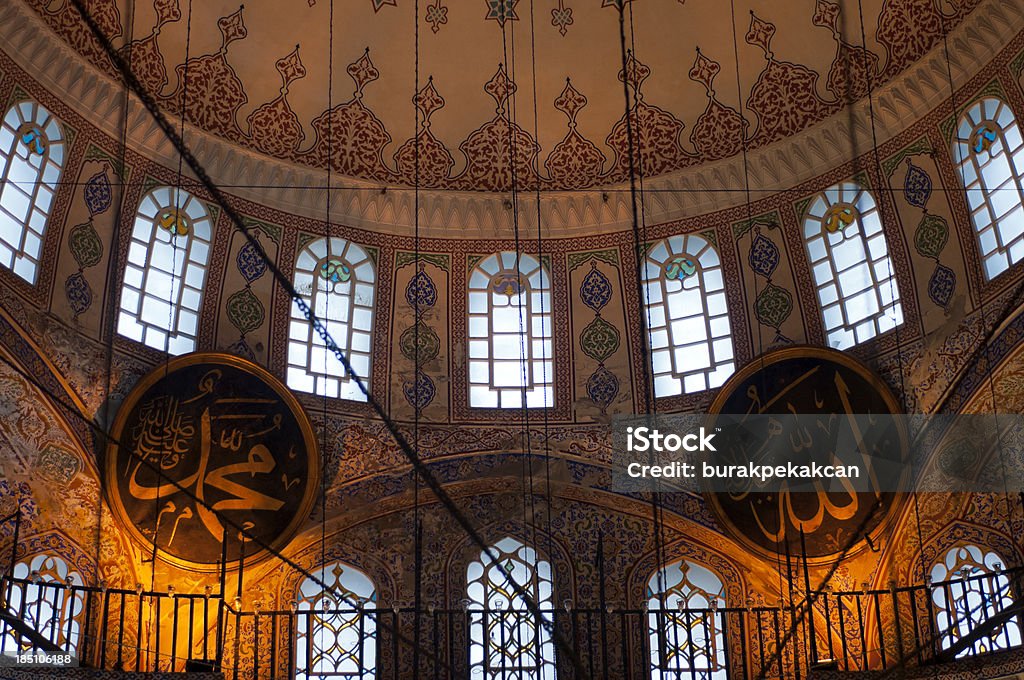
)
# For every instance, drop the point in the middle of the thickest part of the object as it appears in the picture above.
(989, 153)
(685, 628)
(505, 637)
(32, 154)
(334, 635)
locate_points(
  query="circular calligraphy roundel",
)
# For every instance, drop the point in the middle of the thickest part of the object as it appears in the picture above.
(211, 455)
(815, 393)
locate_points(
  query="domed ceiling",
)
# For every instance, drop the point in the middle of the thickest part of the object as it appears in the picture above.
(261, 76)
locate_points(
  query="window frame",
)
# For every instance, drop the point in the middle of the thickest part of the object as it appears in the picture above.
(846, 218)
(495, 375)
(319, 372)
(999, 249)
(26, 256)
(168, 220)
(666, 299)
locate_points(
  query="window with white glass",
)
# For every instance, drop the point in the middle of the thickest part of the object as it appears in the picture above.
(506, 639)
(684, 623)
(43, 596)
(336, 628)
(31, 160)
(510, 333)
(989, 151)
(336, 278)
(970, 586)
(849, 258)
(688, 317)
(162, 290)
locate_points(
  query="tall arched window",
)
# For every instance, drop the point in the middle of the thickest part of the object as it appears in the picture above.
(990, 153)
(166, 271)
(691, 342)
(684, 624)
(510, 333)
(335, 635)
(506, 640)
(47, 603)
(850, 260)
(968, 587)
(31, 159)
(337, 279)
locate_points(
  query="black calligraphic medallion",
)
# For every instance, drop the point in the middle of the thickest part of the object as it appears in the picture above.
(833, 403)
(211, 444)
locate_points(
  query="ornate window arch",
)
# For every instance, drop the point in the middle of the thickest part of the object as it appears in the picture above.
(505, 638)
(853, 272)
(684, 625)
(165, 274)
(989, 153)
(31, 159)
(334, 636)
(969, 586)
(688, 317)
(337, 279)
(510, 333)
(47, 603)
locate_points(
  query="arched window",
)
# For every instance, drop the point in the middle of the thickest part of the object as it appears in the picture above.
(337, 279)
(510, 333)
(684, 624)
(505, 638)
(47, 603)
(335, 635)
(990, 153)
(850, 261)
(166, 271)
(691, 343)
(968, 587)
(31, 158)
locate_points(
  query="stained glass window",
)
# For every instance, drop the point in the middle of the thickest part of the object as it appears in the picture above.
(31, 159)
(849, 258)
(688, 318)
(506, 640)
(970, 586)
(52, 610)
(165, 274)
(510, 333)
(336, 637)
(337, 279)
(685, 627)
(989, 151)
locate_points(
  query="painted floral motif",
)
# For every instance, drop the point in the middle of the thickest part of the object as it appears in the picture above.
(773, 305)
(245, 311)
(931, 236)
(602, 387)
(421, 292)
(763, 256)
(436, 15)
(917, 186)
(97, 193)
(596, 289)
(419, 392)
(85, 245)
(78, 293)
(274, 128)
(419, 343)
(249, 262)
(942, 285)
(599, 340)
